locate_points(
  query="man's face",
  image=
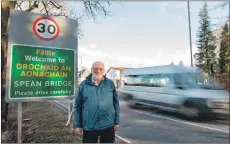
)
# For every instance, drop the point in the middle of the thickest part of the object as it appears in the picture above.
(98, 71)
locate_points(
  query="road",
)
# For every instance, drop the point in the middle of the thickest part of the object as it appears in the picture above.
(152, 126)
(145, 125)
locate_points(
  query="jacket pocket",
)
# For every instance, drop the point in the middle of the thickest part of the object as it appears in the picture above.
(85, 98)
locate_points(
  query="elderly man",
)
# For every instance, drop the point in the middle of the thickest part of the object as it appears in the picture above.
(96, 108)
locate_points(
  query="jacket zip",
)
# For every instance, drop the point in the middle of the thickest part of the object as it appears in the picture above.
(98, 106)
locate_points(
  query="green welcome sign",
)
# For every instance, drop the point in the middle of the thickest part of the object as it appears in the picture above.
(41, 72)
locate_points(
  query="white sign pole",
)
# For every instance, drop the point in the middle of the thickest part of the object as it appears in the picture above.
(69, 118)
(19, 122)
(70, 115)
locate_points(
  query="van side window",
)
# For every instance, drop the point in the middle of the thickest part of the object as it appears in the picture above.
(152, 80)
(186, 80)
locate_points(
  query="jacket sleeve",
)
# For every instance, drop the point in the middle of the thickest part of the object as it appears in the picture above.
(78, 109)
(116, 106)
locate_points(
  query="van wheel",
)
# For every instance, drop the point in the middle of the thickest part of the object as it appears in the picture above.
(190, 112)
(132, 103)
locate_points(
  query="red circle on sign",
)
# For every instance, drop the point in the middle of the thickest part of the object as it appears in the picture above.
(37, 34)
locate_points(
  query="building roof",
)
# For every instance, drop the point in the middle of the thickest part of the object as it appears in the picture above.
(83, 73)
(117, 68)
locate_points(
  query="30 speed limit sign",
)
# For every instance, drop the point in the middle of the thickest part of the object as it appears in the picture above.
(46, 28)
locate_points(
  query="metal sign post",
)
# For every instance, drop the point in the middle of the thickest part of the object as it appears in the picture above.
(70, 115)
(19, 122)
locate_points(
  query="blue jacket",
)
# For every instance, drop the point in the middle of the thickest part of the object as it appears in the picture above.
(96, 107)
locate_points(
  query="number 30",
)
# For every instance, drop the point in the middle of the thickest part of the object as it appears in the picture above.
(42, 28)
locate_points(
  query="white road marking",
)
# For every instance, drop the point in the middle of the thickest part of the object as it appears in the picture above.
(125, 140)
(184, 122)
(69, 117)
(61, 104)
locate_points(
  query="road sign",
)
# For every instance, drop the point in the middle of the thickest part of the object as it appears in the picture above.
(38, 72)
(41, 60)
(41, 57)
(46, 28)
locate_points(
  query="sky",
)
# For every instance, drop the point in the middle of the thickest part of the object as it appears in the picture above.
(140, 34)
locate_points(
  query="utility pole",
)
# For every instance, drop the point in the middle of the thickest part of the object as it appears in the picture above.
(190, 37)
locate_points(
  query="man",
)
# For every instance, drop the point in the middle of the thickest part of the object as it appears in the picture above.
(96, 107)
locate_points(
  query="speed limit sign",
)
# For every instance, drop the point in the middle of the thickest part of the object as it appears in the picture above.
(46, 28)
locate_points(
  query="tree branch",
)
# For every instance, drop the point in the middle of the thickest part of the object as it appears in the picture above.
(60, 14)
(88, 8)
(58, 8)
(19, 5)
(95, 6)
(45, 7)
(219, 6)
(79, 17)
(55, 4)
(102, 7)
(73, 15)
(31, 7)
(223, 17)
(108, 3)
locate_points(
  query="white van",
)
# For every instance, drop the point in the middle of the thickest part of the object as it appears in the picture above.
(175, 88)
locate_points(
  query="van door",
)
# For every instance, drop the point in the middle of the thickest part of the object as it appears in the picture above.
(175, 96)
(151, 90)
(178, 91)
(169, 95)
(161, 90)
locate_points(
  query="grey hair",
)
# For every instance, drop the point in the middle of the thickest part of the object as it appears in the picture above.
(97, 62)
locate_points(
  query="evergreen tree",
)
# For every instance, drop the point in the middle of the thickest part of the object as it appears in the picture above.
(206, 56)
(224, 50)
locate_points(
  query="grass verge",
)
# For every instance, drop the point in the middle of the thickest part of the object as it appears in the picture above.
(42, 123)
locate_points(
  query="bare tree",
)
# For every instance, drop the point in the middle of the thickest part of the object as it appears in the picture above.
(5, 7)
(59, 8)
(222, 6)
